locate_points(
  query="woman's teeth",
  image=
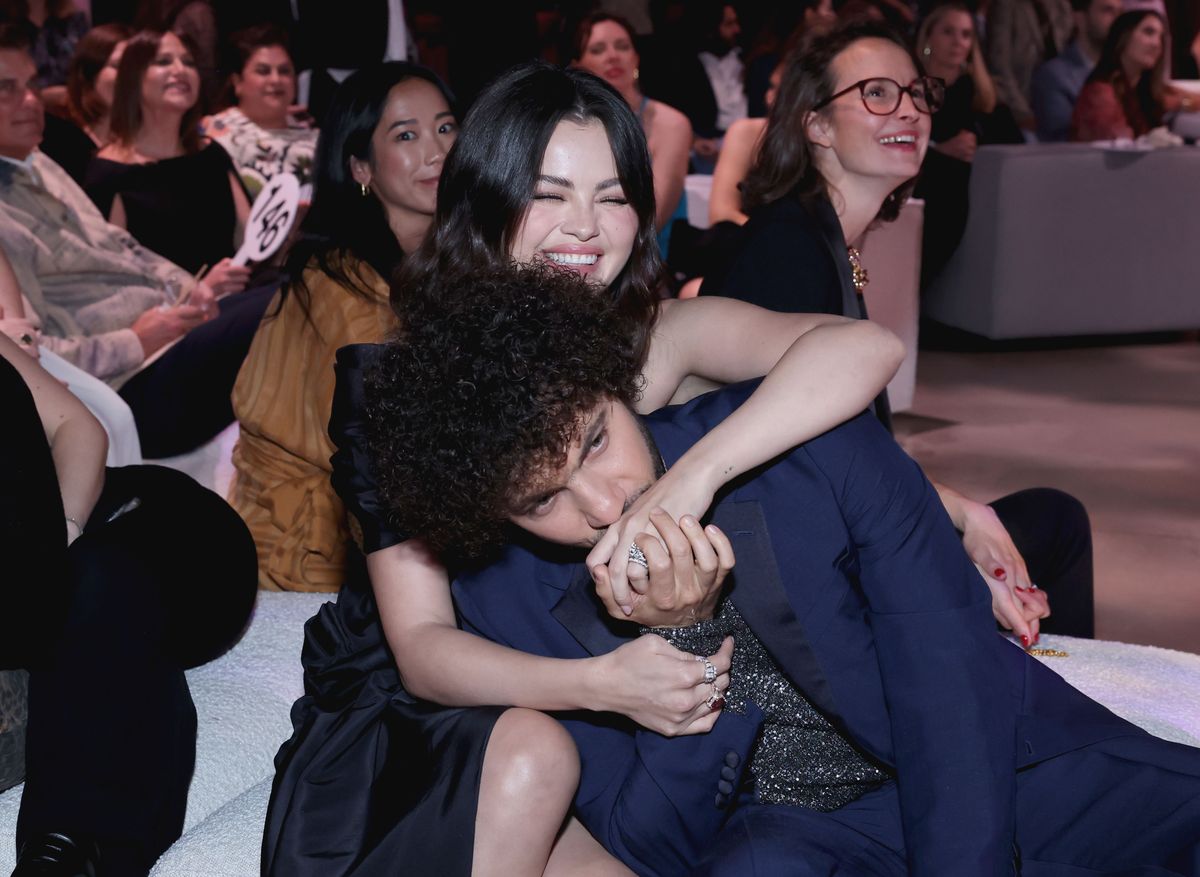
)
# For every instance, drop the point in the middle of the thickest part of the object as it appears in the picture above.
(572, 258)
(898, 138)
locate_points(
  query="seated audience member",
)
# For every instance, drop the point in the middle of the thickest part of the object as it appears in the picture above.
(738, 155)
(388, 129)
(784, 28)
(1126, 95)
(90, 80)
(259, 131)
(864, 651)
(969, 117)
(183, 201)
(106, 303)
(1022, 34)
(114, 414)
(53, 28)
(844, 141)
(604, 45)
(1057, 83)
(115, 583)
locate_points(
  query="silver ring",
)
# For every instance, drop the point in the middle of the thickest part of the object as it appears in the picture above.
(1033, 586)
(637, 556)
(710, 672)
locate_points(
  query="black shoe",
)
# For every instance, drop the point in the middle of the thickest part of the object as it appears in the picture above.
(56, 855)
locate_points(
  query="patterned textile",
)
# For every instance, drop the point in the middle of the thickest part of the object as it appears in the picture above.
(259, 153)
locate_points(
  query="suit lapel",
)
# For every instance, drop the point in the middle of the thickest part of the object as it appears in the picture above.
(763, 601)
(583, 615)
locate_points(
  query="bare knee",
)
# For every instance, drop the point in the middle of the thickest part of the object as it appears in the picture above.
(529, 752)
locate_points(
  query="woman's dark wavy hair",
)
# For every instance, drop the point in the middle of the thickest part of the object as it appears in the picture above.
(479, 398)
(91, 55)
(785, 164)
(1143, 103)
(342, 227)
(126, 120)
(488, 182)
(241, 47)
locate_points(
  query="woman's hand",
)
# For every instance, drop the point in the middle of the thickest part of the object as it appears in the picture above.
(1016, 602)
(23, 333)
(679, 494)
(659, 686)
(226, 278)
(961, 146)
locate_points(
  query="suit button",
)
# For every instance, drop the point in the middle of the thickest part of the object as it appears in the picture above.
(725, 788)
(728, 773)
(732, 759)
(720, 802)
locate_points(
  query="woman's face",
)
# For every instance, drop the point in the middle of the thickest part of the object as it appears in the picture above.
(609, 54)
(416, 129)
(579, 217)
(820, 18)
(106, 79)
(171, 81)
(951, 39)
(851, 140)
(1145, 45)
(266, 86)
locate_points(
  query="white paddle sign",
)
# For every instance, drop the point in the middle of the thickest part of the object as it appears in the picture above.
(271, 218)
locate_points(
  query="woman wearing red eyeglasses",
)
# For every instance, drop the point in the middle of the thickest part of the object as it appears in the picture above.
(844, 141)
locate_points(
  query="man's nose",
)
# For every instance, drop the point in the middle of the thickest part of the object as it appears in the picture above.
(601, 500)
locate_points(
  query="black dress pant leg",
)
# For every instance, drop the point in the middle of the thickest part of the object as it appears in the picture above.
(183, 399)
(112, 727)
(1051, 530)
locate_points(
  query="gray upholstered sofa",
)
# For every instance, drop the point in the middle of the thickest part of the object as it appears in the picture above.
(1072, 239)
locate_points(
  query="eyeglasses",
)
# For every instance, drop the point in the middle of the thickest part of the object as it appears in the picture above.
(882, 96)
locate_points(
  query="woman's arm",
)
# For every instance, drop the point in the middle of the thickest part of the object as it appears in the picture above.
(820, 370)
(668, 160)
(647, 680)
(737, 157)
(78, 443)
(13, 322)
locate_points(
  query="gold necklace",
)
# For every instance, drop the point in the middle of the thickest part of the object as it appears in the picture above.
(857, 272)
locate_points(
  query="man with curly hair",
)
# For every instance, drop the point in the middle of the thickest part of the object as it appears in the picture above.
(875, 723)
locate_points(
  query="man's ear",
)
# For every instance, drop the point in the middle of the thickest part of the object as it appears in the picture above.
(360, 171)
(817, 129)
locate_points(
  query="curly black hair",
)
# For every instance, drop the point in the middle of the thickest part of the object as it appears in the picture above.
(483, 391)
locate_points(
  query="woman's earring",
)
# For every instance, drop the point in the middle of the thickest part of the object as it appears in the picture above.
(362, 187)
(925, 51)
(637, 71)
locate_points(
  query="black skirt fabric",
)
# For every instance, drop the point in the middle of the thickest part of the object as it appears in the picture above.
(373, 781)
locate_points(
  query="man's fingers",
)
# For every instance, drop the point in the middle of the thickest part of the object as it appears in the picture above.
(604, 591)
(660, 570)
(703, 554)
(721, 544)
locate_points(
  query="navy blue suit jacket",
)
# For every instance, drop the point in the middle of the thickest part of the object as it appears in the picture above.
(854, 579)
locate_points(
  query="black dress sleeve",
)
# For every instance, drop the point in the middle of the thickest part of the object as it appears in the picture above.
(783, 264)
(352, 476)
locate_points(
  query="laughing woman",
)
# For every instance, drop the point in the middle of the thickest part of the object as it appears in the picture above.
(551, 165)
(846, 137)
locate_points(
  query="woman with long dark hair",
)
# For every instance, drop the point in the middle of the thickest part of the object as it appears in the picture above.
(551, 166)
(377, 168)
(1126, 95)
(844, 142)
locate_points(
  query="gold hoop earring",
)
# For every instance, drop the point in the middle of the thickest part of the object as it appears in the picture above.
(362, 187)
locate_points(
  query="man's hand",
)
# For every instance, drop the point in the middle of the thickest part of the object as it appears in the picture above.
(659, 686)
(158, 327)
(681, 494)
(1016, 603)
(687, 570)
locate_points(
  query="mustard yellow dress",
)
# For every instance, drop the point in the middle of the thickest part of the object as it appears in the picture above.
(282, 399)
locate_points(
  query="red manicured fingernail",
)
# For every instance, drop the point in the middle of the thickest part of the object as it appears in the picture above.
(998, 572)
(1025, 640)
(1036, 637)
(1022, 590)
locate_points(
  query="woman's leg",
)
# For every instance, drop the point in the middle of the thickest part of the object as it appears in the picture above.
(530, 772)
(1051, 530)
(578, 854)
